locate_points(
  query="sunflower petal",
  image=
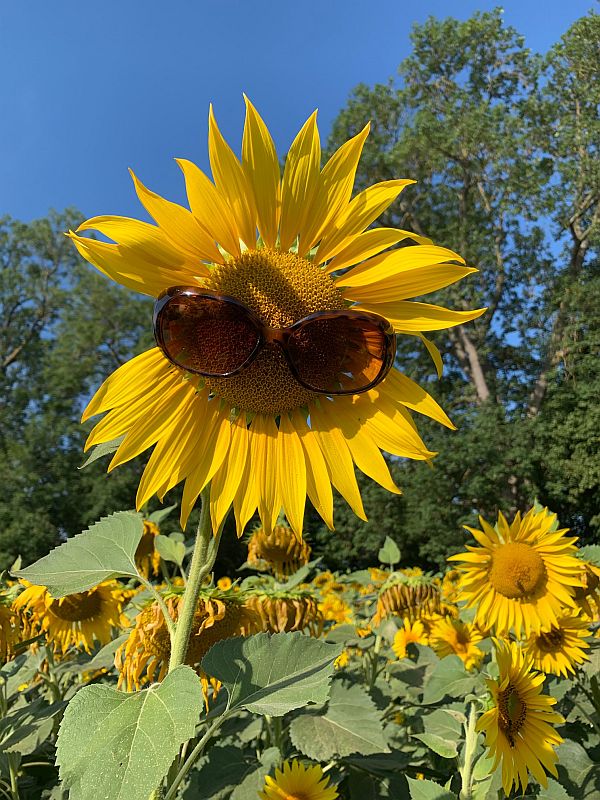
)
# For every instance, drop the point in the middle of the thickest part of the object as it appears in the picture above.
(410, 317)
(411, 283)
(411, 395)
(263, 445)
(368, 244)
(318, 484)
(261, 168)
(291, 473)
(227, 479)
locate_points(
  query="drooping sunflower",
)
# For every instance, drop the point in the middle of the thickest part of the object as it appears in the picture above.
(77, 620)
(518, 728)
(285, 247)
(403, 596)
(284, 611)
(587, 596)
(147, 557)
(410, 633)
(556, 650)
(294, 781)
(9, 632)
(453, 637)
(281, 549)
(144, 657)
(522, 575)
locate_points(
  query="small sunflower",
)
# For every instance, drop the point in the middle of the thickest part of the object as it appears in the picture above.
(522, 575)
(335, 609)
(587, 596)
(297, 782)
(323, 580)
(77, 620)
(284, 611)
(281, 549)
(224, 583)
(407, 597)
(518, 728)
(147, 557)
(559, 648)
(410, 633)
(453, 637)
(144, 657)
(285, 247)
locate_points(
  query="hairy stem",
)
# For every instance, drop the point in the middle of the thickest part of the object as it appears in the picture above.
(466, 772)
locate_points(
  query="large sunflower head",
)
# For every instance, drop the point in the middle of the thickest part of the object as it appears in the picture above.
(144, 657)
(294, 781)
(284, 611)
(410, 597)
(285, 247)
(77, 620)
(518, 727)
(522, 575)
(558, 649)
(453, 637)
(280, 549)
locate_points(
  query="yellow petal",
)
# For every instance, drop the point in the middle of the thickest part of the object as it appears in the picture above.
(434, 354)
(263, 448)
(338, 458)
(391, 427)
(128, 381)
(359, 214)
(409, 317)
(411, 283)
(246, 497)
(212, 453)
(226, 482)
(261, 168)
(231, 182)
(291, 473)
(300, 182)
(401, 388)
(370, 243)
(178, 224)
(210, 208)
(318, 484)
(335, 190)
(387, 265)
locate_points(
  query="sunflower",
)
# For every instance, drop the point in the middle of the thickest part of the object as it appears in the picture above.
(224, 583)
(144, 657)
(147, 557)
(335, 609)
(453, 637)
(587, 596)
(77, 620)
(556, 649)
(411, 633)
(407, 597)
(522, 575)
(518, 727)
(297, 782)
(284, 611)
(261, 438)
(9, 632)
(283, 551)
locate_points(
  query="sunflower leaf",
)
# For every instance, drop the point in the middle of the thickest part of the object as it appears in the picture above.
(170, 549)
(104, 551)
(100, 450)
(390, 552)
(428, 790)
(118, 745)
(272, 674)
(448, 678)
(351, 724)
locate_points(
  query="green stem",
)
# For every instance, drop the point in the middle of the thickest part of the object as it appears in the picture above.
(470, 746)
(192, 758)
(203, 559)
(13, 769)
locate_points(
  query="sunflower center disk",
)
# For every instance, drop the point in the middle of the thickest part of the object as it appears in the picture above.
(281, 288)
(551, 641)
(77, 607)
(511, 713)
(517, 571)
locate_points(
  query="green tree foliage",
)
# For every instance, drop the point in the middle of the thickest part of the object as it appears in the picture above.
(504, 146)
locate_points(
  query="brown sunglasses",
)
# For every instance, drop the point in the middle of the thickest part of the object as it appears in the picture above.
(331, 352)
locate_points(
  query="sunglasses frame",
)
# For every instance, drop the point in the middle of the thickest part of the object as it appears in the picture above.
(280, 336)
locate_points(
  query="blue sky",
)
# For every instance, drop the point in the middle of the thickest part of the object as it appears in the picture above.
(91, 89)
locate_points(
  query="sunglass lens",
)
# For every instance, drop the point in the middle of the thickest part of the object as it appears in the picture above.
(339, 354)
(205, 334)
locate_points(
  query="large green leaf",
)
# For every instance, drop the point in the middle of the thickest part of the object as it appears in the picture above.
(351, 724)
(120, 746)
(273, 674)
(449, 678)
(443, 747)
(104, 551)
(428, 790)
(254, 782)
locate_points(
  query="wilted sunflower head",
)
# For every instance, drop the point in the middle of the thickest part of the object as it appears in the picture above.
(147, 557)
(285, 247)
(281, 550)
(518, 726)
(144, 657)
(77, 620)
(587, 596)
(522, 574)
(9, 631)
(409, 597)
(284, 611)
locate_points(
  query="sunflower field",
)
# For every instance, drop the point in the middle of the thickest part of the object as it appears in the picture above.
(300, 682)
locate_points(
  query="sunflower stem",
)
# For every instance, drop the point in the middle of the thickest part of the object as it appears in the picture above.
(466, 772)
(203, 559)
